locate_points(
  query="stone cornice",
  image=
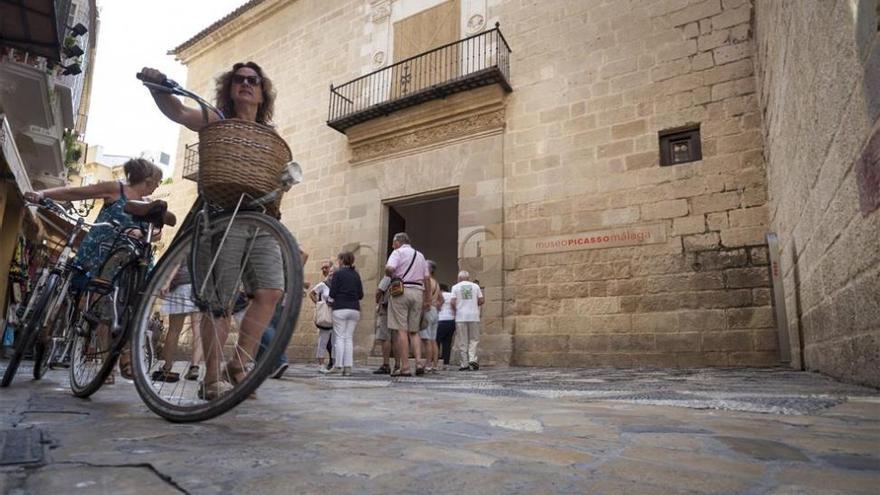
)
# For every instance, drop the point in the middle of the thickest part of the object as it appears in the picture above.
(225, 28)
(462, 116)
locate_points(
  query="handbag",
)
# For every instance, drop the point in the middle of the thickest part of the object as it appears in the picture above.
(323, 315)
(396, 286)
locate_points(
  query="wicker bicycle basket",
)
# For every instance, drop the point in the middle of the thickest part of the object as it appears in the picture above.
(240, 157)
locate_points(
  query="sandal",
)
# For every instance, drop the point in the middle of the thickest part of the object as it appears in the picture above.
(236, 375)
(192, 373)
(397, 372)
(125, 366)
(235, 372)
(167, 376)
(214, 390)
(420, 370)
(111, 379)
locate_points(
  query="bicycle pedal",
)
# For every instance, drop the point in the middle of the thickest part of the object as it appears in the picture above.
(100, 286)
(91, 318)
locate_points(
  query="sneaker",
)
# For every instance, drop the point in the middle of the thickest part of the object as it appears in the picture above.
(464, 368)
(331, 371)
(279, 372)
(473, 365)
(383, 370)
(346, 371)
(192, 373)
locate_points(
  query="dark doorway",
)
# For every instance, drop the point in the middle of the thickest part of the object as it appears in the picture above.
(432, 225)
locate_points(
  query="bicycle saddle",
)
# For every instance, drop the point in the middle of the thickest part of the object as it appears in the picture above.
(154, 212)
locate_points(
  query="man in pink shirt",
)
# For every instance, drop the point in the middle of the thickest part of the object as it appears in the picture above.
(405, 310)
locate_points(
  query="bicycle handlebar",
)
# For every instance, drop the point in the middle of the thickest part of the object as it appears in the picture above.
(53, 205)
(172, 87)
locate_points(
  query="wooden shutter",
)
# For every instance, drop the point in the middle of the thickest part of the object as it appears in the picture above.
(421, 33)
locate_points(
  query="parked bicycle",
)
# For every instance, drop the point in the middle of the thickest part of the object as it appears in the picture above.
(222, 244)
(48, 291)
(66, 301)
(101, 324)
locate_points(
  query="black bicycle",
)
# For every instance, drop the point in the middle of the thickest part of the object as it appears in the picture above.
(100, 323)
(43, 324)
(219, 248)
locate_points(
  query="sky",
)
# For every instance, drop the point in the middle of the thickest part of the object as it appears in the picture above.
(135, 34)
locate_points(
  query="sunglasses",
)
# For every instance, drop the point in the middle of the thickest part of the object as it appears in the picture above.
(251, 80)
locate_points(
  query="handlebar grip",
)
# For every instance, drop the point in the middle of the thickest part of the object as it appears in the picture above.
(165, 82)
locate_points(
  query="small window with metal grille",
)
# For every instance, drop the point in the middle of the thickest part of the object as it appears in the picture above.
(680, 145)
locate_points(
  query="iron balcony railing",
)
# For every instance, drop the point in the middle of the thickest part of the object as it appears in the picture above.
(478, 60)
(191, 162)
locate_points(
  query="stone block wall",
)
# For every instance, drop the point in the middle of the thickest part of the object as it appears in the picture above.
(819, 85)
(594, 83)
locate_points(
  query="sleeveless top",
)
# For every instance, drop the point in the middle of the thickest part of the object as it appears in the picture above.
(97, 244)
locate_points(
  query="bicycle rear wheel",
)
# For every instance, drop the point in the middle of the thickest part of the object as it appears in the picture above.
(226, 258)
(31, 324)
(100, 327)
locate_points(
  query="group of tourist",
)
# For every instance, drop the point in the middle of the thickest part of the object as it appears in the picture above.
(414, 313)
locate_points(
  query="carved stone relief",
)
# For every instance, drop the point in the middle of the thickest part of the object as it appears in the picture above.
(429, 135)
(475, 24)
(380, 10)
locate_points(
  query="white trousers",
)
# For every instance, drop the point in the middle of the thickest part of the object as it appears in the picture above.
(344, 323)
(324, 336)
(467, 337)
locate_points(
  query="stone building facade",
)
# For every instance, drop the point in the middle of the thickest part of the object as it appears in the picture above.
(820, 96)
(591, 253)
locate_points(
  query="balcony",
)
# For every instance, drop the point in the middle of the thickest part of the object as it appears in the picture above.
(38, 109)
(191, 162)
(37, 26)
(475, 61)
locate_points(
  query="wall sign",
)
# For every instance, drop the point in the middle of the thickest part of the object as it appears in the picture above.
(598, 239)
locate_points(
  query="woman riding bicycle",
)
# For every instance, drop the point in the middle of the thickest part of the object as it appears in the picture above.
(242, 93)
(142, 179)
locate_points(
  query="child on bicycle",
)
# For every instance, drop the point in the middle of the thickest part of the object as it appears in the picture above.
(142, 179)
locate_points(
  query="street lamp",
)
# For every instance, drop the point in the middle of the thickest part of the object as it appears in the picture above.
(79, 29)
(72, 51)
(71, 70)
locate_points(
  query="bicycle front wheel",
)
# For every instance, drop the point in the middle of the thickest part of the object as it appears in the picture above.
(31, 325)
(101, 325)
(224, 332)
(60, 336)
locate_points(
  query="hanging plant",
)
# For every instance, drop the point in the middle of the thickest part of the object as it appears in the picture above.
(72, 151)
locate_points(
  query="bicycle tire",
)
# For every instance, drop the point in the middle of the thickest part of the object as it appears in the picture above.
(186, 409)
(41, 359)
(59, 336)
(30, 328)
(124, 278)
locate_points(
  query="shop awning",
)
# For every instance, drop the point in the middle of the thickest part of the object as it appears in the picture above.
(33, 25)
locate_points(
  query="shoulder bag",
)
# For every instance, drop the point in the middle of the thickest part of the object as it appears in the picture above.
(396, 287)
(323, 314)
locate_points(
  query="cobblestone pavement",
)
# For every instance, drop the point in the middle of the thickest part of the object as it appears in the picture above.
(503, 430)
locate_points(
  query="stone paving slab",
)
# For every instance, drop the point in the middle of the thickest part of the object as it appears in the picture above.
(508, 430)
